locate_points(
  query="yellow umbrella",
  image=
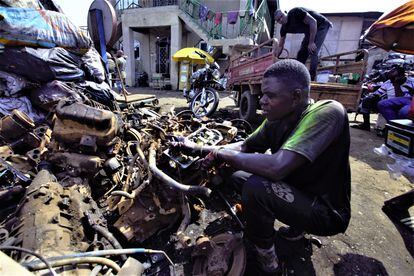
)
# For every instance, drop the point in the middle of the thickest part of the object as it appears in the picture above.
(190, 54)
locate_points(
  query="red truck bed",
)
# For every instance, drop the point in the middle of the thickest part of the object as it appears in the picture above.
(246, 72)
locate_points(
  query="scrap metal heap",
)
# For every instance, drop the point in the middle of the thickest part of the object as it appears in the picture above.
(91, 179)
(89, 184)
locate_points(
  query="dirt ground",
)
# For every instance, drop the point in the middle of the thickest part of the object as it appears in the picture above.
(373, 244)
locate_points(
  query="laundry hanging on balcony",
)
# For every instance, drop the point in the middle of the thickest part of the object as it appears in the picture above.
(232, 17)
(210, 15)
(217, 18)
(203, 11)
(250, 7)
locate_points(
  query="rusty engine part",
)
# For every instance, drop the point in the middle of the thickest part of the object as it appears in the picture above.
(144, 218)
(84, 126)
(6, 151)
(49, 221)
(170, 181)
(15, 125)
(204, 136)
(110, 169)
(16, 173)
(223, 254)
(55, 220)
(183, 239)
(76, 163)
(37, 154)
(19, 131)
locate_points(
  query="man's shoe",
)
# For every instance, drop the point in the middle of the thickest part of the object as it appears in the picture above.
(399, 215)
(362, 127)
(290, 233)
(267, 259)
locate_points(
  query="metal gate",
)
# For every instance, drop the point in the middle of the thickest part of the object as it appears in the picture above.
(163, 57)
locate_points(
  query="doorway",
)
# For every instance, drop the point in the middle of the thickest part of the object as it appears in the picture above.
(163, 56)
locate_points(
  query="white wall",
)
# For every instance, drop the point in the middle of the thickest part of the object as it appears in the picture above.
(160, 21)
(190, 39)
(144, 50)
(342, 37)
(223, 5)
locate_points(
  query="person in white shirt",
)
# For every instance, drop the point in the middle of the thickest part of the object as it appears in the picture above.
(398, 101)
(398, 88)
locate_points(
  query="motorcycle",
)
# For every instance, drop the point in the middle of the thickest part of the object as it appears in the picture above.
(203, 96)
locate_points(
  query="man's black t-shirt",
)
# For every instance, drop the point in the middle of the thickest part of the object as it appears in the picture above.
(295, 22)
(322, 137)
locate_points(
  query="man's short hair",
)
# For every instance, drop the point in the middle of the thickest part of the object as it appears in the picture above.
(292, 72)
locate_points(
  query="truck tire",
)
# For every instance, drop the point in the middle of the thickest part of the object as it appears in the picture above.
(248, 106)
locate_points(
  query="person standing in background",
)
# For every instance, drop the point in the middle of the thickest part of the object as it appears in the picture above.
(111, 69)
(121, 64)
(315, 27)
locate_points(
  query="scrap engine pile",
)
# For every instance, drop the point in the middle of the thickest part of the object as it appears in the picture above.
(96, 189)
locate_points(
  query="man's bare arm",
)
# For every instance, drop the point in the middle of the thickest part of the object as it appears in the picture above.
(275, 167)
(309, 20)
(281, 46)
(235, 147)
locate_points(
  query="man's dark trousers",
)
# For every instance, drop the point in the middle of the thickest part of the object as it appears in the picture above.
(303, 53)
(263, 201)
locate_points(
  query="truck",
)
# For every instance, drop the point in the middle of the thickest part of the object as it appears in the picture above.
(246, 72)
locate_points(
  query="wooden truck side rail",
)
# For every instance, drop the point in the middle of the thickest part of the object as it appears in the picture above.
(347, 94)
(250, 66)
(246, 73)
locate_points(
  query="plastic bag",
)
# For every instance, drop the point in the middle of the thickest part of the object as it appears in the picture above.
(7, 105)
(11, 84)
(93, 67)
(28, 4)
(100, 93)
(41, 65)
(48, 95)
(42, 28)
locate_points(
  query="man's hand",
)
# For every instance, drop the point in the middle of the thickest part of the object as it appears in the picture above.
(312, 47)
(211, 159)
(208, 161)
(278, 52)
(183, 143)
(280, 47)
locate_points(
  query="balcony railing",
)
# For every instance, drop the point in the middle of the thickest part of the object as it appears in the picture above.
(133, 4)
(249, 23)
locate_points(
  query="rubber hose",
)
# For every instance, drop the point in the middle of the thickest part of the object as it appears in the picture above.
(195, 190)
(81, 260)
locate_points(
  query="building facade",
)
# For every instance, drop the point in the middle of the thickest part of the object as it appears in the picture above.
(156, 29)
(161, 28)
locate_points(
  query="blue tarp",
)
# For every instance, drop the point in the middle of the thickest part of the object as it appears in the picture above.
(30, 27)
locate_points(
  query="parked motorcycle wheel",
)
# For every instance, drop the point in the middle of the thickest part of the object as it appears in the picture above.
(207, 108)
